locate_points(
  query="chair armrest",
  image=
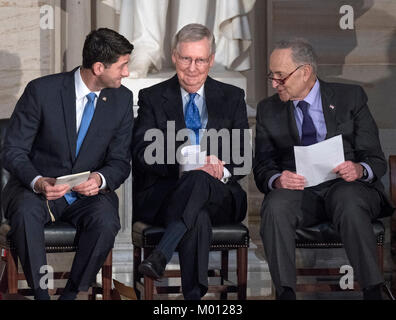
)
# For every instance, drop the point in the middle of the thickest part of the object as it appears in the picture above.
(392, 177)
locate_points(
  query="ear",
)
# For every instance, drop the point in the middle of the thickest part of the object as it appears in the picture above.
(308, 71)
(174, 57)
(211, 61)
(98, 68)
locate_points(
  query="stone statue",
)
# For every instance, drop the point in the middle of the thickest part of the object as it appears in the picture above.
(144, 23)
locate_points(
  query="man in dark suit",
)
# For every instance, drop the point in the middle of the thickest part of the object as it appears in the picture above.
(304, 111)
(188, 204)
(63, 124)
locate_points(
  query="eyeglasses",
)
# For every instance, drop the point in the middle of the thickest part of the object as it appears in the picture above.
(282, 80)
(186, 61)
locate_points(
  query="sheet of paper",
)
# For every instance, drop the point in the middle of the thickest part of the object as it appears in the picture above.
(191, 158)
(316, 162)
(73, 179)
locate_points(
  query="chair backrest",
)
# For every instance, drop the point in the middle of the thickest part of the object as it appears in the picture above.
(4, 174)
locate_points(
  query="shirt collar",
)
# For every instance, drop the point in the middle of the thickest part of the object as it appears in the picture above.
(81, 88)
(201, 92)
(312, 95)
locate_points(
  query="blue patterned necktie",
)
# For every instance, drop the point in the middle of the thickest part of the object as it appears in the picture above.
(308, 131)
(192, 117)
(89, 110)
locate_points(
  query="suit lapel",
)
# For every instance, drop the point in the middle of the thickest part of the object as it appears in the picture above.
(214, 98)
(173, 104)
(68, 93)
(329, 109)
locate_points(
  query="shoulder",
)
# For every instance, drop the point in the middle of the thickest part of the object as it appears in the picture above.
(159, 88)
(50, 81)
(227, 89)
(271, 105)
(342, 89)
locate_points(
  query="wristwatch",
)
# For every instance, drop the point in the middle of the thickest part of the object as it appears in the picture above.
(365, 173)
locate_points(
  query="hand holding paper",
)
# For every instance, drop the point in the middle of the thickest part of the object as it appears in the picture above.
(316, 162)
(47, 187)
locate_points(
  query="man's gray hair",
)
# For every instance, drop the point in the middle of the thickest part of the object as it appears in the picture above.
(302, 52)
(194, 32)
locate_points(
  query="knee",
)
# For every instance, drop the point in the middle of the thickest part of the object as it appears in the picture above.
(277, 206)
(197, 176)
(104, 222)
(26, 213)
(347, 203)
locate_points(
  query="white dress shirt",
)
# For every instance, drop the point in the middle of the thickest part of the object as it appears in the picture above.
(200, 102)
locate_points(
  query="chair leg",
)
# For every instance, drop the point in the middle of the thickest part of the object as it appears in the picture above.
(107, 276)
(224, 272)
(148, 288)
(380, 253)
(242, 255)
(148, 282)
(12, 272)
(137, 259)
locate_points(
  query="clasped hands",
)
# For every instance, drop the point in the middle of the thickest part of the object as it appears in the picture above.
(213, 166)
(348, 170)
(47, 187)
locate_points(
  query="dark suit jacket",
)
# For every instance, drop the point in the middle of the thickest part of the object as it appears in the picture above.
(162, 103)
(345, 111)
(41, 138)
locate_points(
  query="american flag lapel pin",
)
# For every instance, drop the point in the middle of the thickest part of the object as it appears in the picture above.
(331, 107)
(104, 99)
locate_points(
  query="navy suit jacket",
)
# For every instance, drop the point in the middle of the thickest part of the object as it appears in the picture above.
(345, 111)
(41, 138)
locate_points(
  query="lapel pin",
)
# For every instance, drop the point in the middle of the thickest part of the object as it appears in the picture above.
(104, 99)
(331, 107)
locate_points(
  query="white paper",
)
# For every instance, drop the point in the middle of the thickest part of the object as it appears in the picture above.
(192, 158)
(73, 179)
(316, 162)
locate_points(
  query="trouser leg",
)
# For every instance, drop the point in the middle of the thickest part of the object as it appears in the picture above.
(198, 201)
(282, 212)
(97, 223)
(352, 207)
(28, 214)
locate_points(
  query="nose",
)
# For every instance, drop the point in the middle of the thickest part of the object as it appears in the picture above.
(125, 72)
(192, 67)
(275, 84)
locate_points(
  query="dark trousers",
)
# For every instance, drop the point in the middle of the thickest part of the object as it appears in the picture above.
(350, 206)
(200, 201)
(95, 218)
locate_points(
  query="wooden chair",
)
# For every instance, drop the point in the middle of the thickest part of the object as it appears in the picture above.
(59, 237)
(225, 238)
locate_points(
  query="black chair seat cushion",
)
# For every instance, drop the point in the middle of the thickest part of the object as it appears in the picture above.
(226, 236)
(324, 235)
(59, 236)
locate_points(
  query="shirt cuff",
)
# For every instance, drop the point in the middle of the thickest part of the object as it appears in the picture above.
(34, 182)
(272, 179)
(226, 175)
(370, 172)
(104, 185)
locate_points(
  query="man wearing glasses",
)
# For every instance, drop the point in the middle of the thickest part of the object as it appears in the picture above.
(305, 111)
(188, 204)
